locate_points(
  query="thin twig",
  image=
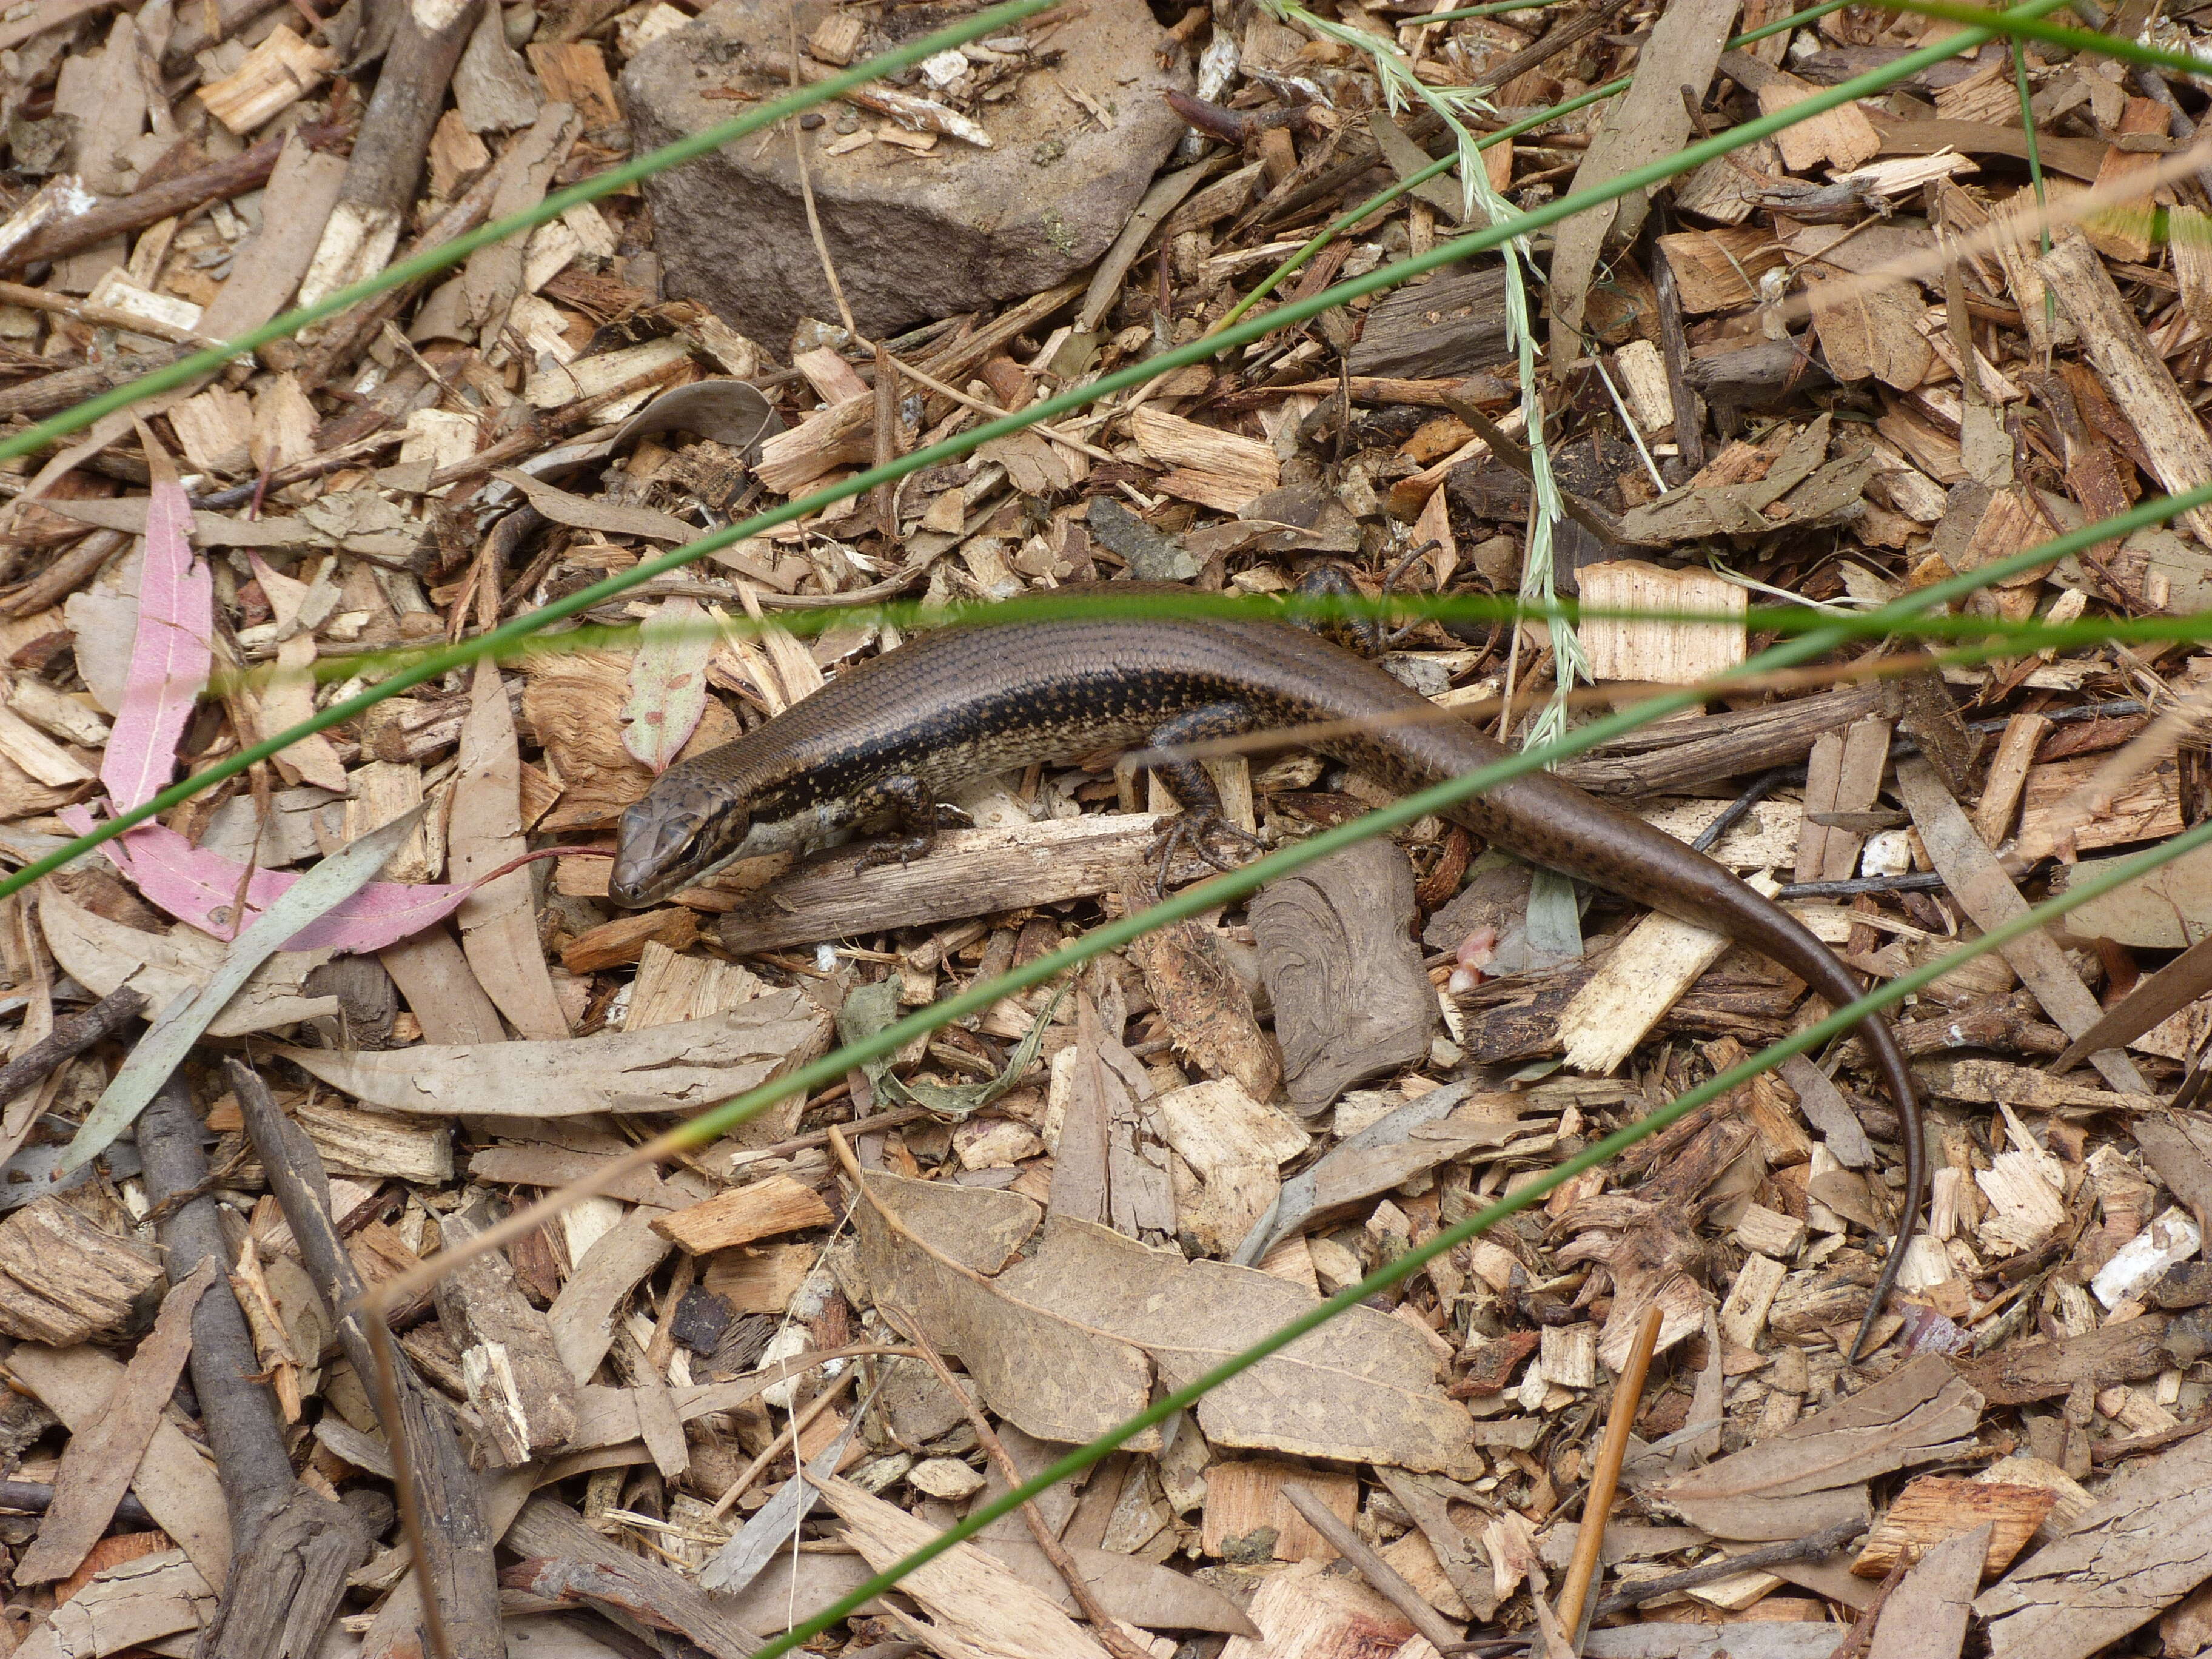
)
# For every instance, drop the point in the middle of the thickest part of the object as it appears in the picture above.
(1107, 1628)
(858, 1126)
(983, 406)
(65, 574)
(1863, 1628)
(1387, 1581)
(806, 190)
(799, 1421)
(885, 501)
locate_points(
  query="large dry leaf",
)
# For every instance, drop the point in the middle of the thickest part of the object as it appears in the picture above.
(1126, 1586)
(1650, 120)
(1048, 1375)
(100, 955)
(99, 1461)
(1874, 332)
(669, 1068)
(498, 920)
(1926, 1615)
(1916, 1415)
(175, 1482)
(1361, 1389)
(608, 518)
(1384, 1155)
(974, 1227)
(979, 1608)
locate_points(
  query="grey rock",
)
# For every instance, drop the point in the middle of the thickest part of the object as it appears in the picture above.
(914, 237)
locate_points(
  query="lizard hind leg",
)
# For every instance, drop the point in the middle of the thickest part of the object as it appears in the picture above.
(1202, 819)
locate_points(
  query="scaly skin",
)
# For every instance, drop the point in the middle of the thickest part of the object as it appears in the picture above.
(965, 702)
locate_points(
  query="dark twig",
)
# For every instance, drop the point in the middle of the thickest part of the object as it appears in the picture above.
(236, 1404)
(2116, 1451)
(1861, 1633)
(1790, 1549)
(294, 1548)
(67, 1041)
(65, 574)
(218, 181)
(32, 1497)
(463, 1578)
(1759, 789)
(1913, 881)
(388, 158)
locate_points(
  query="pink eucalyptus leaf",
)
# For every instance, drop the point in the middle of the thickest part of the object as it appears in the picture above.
(169, 659)
(201, 887)
(668, 683)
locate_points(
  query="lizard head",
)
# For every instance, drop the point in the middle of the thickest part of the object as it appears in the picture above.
(680, 833)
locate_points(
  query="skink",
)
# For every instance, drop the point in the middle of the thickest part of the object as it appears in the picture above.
(889, 737)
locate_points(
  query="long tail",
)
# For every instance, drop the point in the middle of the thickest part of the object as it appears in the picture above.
(1813, 962)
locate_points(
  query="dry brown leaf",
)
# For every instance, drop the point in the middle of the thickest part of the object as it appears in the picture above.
(499, 920)
(175, 1482)
(669, 1068)
(1874, 332)
(1363, 1389)
(100, 955)
(1145, 1595)
(1648, 120)
(1925, 1617)
(923, 1242)
(99, 1461)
